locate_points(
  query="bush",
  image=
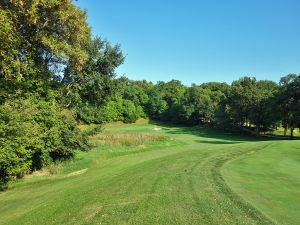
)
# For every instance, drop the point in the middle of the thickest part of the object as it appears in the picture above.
(130, 114)
(34, 133)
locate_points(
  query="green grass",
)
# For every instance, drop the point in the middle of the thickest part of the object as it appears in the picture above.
(196, 176)
(270, 179)
(280, 132)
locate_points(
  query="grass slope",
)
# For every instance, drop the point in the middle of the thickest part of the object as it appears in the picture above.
(270, 179)
(175, 181)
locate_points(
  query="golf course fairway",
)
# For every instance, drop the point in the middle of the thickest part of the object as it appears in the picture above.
(191, 176)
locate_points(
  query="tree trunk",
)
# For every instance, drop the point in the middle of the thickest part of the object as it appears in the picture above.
(256, 131)
(285, 129)
(292, 132)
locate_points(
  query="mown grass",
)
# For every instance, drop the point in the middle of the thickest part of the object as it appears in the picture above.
(269, 179)
(175, 181)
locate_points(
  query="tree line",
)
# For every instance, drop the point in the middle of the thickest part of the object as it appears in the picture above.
(54, 74)
(250, 105)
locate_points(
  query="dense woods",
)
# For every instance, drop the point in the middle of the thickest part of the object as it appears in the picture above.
(54, 75)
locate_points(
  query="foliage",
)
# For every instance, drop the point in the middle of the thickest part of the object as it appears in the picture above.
(288, 100)
(198, 105)
(44, 37)
(250, 103)
(33, 134)
(40, 39)
(95, 84)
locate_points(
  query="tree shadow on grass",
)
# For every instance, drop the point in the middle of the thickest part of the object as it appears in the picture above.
(224, 137)
(219, 142)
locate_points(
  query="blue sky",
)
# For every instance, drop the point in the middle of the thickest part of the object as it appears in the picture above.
(197, 41)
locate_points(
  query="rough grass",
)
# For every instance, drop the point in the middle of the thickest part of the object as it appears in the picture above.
(126, 139)
(177, 181)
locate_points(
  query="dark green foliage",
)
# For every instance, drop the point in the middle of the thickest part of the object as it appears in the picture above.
(200, 105)
(89, 113)
(39, 39)
(120, 109)
(129, 112)
(95, 83)
(288, 100)
(165, 101)
(245, 105)
(156, 106)
(34, 133)
(249, 103)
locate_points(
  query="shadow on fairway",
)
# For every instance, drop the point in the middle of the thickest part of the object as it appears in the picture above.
(212, 133)
(219, 142)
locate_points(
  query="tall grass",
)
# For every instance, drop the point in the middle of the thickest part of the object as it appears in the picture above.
(126, 139)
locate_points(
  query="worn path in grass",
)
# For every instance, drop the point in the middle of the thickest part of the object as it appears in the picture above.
(179, 181)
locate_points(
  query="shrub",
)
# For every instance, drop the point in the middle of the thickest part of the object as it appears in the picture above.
(34, 133)
(130, 114)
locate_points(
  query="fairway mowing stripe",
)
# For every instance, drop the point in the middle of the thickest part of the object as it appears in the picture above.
(205, 215)
(223, 188)
(180, 184)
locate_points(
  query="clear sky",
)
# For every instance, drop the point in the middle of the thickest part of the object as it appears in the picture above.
(197, 41)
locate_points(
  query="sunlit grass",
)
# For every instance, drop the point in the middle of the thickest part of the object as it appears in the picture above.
(152, 179)
(126, 139)
(280, 132)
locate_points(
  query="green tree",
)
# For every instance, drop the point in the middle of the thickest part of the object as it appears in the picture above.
(95, 83)
(262, 114)
(89, 91)
(198, 106)
(250, 104)
(34, 133)
(288, 101)
(39, 39)
(44, 37)
(156, 106)
(172, 93)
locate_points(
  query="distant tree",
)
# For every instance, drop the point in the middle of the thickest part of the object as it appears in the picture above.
(250, 104)
(156, 106)
(216, 87)
(262, 114)
(239, 101)
(129, 113)
(136, 91)
(198, 106)
(172, 93)
(288, 101)
(218, 93)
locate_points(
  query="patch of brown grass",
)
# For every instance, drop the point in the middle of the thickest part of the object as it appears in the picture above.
(79, 172)
(38, 173)
(126, 139)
